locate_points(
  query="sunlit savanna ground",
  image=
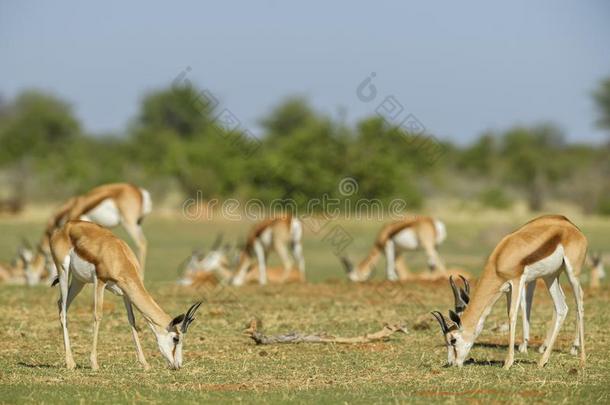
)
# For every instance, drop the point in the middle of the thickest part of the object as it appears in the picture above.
(223, 365)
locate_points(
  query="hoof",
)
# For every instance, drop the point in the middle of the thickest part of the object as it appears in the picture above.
(574, 351)
(523, 347)
(70, 365)
(541, 349)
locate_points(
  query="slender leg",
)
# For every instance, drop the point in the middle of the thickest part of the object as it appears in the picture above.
(390, 261)
(262, 265)
(434, 260)
(98, 307)
(297, 252)
(137, 235)
(526, 311)
(134, 332)
(240, 277)
(560, 310)
(282, 251)
(580, 311)
(401, 267)
(516, 289)
(63, 309)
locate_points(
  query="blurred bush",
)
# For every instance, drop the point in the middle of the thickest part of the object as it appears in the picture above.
(177, 141)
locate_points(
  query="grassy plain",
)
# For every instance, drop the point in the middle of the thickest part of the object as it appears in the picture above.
(222, 365)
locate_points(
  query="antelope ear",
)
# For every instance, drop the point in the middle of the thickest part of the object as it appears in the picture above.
(176, 321)
(455, 318)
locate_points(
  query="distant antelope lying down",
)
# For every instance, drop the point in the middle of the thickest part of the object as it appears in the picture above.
(415, 233)
(540, 249)
(280, 234)
(14, 272)
(108, 205)
(92, 254)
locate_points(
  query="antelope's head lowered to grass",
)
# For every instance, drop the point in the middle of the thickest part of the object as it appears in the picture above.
(597, 271)
(356, 273)
(170, 340)
(457, 346)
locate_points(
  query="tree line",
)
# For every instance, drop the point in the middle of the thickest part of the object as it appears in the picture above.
(181, 141)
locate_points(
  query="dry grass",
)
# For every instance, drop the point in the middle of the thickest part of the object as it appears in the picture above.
(223, 365)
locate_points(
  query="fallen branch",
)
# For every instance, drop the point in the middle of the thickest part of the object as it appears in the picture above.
(297, 337)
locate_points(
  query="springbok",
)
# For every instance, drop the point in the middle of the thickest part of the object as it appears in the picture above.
(92, 254)
(108, 205)
(539, 249)
(396, 238)
(216, 268)
(278, 234)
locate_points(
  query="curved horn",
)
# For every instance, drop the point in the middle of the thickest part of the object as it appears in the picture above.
(189, 316)
(441, 320)
(217, 242)
(459, 303)
(349, 267)
(466, 284)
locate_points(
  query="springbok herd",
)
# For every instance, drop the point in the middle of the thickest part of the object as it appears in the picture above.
(77, 248)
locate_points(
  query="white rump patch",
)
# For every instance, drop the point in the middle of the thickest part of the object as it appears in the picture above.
(441, 231)
(146, 202)
(106, 214)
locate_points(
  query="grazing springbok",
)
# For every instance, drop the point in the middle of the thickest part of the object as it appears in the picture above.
(419, 232)
(108, 205)
(538, 250)
(282, 234)
(92, 254)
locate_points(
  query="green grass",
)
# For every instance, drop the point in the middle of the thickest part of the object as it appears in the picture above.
(223, 365)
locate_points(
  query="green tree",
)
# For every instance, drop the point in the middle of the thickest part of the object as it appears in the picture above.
(531, 156)
(602, 99)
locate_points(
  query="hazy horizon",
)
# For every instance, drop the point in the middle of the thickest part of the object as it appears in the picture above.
(459, 69)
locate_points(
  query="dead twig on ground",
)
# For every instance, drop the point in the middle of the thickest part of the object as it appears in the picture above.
(298, 337)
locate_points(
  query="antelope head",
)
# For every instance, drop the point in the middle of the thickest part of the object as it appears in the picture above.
(598, 266)
(355, 274)
(457, 346)
(26, 254)
(171, 338)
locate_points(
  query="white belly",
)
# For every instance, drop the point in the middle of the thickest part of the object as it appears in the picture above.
(84, 272)
(81, 269)
(406, 239)
(548, 266)
(106, 214)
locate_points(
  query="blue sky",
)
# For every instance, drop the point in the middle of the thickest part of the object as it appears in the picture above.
(459, 67)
